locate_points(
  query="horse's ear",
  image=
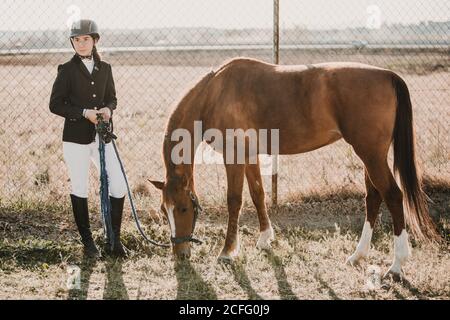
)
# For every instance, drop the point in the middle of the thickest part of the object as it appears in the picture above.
(157, 184)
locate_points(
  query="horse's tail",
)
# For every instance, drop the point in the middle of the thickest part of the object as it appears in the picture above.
(416, 211)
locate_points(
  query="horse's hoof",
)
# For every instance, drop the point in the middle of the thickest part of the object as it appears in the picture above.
(264, 239)
(263, 245)
(225, 258)
(353, 260)
(393, 274)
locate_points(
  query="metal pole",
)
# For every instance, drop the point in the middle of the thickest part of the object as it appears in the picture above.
(275, 60)
(276, 28)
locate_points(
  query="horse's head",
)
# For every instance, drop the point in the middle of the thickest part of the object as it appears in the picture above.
(180, 205)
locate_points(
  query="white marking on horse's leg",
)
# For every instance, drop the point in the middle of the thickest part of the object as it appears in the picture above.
(237, 247)
(171, 220)
(265, 238)
(402, 252)
(363, 246)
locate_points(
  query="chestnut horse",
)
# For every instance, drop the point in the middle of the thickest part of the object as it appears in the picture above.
(311, 106)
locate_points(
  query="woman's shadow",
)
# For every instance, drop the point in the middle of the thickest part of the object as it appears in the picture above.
(115, 288)
(114, 285)
(191, 286)
(80, 288)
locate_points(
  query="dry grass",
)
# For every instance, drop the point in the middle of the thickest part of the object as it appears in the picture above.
(313, 239)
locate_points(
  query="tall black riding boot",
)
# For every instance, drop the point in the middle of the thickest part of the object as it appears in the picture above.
(81, 214)
(116, 221)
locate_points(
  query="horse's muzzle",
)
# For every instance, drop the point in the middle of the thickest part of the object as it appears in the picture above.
(182, 251)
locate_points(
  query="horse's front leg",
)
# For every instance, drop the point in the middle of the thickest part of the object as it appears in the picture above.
(235, 178)
(255, 185)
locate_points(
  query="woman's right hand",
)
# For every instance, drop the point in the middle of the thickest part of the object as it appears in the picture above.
(91, 115)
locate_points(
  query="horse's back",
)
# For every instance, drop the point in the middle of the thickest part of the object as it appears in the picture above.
(314, 104)
(251, 64)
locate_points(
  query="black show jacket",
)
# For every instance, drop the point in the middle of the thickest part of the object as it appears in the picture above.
(76, 89)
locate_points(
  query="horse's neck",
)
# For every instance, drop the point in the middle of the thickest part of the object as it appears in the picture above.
(189, 110)
(183, 117)
(178, 169)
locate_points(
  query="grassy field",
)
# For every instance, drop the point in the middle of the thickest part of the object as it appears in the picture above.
(317, 224)
(39, 247)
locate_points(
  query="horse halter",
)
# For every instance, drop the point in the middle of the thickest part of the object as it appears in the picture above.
(197, 210)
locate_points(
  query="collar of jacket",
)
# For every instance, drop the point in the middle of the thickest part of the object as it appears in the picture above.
(78, 61)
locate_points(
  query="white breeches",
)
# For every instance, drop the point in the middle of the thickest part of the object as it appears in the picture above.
(77, 158)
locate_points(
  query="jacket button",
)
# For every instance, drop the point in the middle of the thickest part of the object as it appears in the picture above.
(92, 82)
(94, 95)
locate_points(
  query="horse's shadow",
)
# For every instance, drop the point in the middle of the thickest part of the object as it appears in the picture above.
(389, 284)
(191, 286)
(241, 277)
(326, 286)
(284, 288)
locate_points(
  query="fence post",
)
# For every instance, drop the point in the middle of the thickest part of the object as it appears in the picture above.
(275, 60)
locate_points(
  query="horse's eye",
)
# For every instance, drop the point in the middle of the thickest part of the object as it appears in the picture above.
(183, 210)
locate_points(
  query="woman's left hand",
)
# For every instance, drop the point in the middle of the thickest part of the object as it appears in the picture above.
(106, 112)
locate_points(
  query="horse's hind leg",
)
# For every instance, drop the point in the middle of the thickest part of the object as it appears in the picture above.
(235, 180)
(373, 202)
(255, 185)
(384, 182)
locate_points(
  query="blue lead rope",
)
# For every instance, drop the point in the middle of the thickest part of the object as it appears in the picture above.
(133, 209)
(105, 203)
(105, 134)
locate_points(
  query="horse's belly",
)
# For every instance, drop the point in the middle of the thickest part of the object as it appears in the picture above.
(293, 144)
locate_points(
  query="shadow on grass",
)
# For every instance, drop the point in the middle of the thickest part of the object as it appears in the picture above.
(347, 210)
(284, 288)
(34, 254)
(241, 277)
(325, 286)
(390, 283)
(86, 269)
(191, 286)
(115, 288)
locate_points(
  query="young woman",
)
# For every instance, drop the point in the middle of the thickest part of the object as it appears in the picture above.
(84, 87)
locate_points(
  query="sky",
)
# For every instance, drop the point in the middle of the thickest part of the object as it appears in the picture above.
(232, 14)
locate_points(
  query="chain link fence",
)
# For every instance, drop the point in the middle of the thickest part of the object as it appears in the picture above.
(158, 49)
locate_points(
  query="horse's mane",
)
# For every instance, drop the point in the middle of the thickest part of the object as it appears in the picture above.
(180, 111)
(191, 93)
